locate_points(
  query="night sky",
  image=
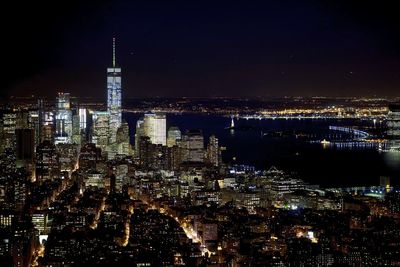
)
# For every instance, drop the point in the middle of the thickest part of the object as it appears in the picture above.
(201, 48)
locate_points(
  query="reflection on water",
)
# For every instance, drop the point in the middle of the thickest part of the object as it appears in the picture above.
(392, 159)
(281, 143)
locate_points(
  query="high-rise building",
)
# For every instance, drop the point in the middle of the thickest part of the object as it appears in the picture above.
(22, 120)
(100, 130)
(25, 146)
(175, 155)
(39, 129)
(193, 144)
(174, 135)
(155, 127)
(63, 119)
(121, 173)
(9, 123)
(35, 125)
(89, 156)
(393, 126)
(13, 189)
(48, 128)
(138, 134)
(123, 139)
(47, 162)
(83, 114)
(213, 151)
(7, 161)
(47, 133)
(154, 156)
(114, 97)
(144, 152)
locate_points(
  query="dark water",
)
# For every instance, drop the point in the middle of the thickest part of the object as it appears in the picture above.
(311, 162)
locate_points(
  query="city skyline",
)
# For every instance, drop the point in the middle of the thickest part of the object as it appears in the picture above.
(116, 148)
(184, 49)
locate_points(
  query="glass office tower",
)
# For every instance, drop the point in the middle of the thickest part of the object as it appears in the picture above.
(114, 98)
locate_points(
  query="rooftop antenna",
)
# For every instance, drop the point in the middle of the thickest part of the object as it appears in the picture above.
(113, 52)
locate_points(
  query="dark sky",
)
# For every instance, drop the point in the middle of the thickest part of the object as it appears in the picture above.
(203, 48)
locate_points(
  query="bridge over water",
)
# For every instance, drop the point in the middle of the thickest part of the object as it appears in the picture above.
(355, 132)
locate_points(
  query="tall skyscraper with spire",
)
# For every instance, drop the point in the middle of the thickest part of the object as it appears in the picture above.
(114, 97)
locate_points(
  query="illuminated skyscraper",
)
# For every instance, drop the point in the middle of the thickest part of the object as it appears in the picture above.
(47, 125)
(39, 129)
(47, 162)
(139, 133)
(213, 151)
(82, 118)
(76, 132)
(9, 124)
(174, 134)
(63, 119)
(100, 129)
(155, 127)
(123, 139)
(114, 98)
(393, 125)
(34, 122)
(393, 121)
(89, 156)
(193, 144)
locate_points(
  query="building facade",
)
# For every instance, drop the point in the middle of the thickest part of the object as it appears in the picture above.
(155, 127)
(114, 99)
(393, 126)
(63, 119)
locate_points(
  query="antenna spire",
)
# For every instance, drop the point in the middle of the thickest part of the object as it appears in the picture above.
(113, 52)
